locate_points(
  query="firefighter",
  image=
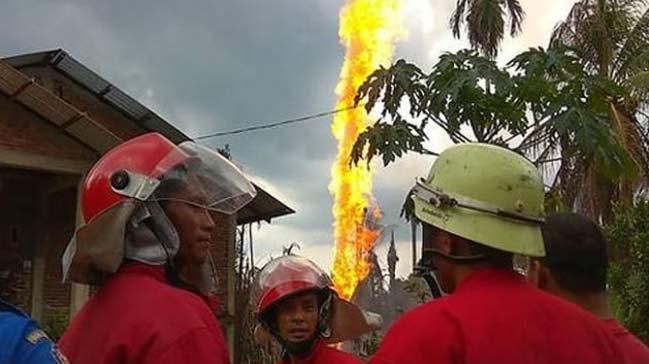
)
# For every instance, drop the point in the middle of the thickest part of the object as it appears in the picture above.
(146, 202)
(479, 205)
(23, 342)
(296, 305)
(575, 268)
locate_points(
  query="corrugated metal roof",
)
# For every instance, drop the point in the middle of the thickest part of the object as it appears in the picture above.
(263, 208)
(110, 94)
(57, 111)
(31, 58)
(75, 69)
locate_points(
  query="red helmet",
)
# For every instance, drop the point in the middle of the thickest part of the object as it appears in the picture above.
(286, 276)
(145, 170)
(292, 274)
(150, 155)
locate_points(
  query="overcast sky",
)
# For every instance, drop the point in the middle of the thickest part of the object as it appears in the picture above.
(209, 66)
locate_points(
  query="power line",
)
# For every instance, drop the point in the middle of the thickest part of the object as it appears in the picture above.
(275, 124)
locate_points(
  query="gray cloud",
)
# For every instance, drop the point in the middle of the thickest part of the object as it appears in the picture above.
(210, 66)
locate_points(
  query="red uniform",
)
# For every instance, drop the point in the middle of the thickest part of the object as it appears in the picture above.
(634, 350)
(137, 318)
(323, 354)
(494, 316)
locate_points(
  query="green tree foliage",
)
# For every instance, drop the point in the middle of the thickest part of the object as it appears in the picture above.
(485, 22)
(544, 104)
(577, 110)
(628, 236)
(611, 38)
(55, 322)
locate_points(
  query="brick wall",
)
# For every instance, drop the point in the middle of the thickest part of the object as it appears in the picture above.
(223, 235)
(60, 216)
(35, 225)
(19, 228)
(23, 130)
(85, 101)
(60, 211)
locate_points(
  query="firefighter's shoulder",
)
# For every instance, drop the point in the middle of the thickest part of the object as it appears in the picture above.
(9, 309)
(427, 333)
(415, 324)
(13, 321)
(23, 340)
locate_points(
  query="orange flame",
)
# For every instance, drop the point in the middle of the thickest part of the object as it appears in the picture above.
(368, 29)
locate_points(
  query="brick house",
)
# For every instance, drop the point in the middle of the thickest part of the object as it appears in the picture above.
(57, 117)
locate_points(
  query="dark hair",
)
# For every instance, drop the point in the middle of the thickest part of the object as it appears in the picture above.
(495, 257)
(170, 187)
(575, 252)
(173, 181)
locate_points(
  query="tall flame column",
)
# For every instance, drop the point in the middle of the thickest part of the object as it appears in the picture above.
(368, 30)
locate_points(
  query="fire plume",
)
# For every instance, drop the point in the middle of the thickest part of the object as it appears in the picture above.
(368, 30)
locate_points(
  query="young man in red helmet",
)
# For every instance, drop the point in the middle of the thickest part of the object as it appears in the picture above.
(297, 306)
(146, 202)
(479, 205)
(575, 268)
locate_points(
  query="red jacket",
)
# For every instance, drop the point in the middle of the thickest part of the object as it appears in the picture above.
(323, 354)
(634, 350)
(137, 318)
(494, 316)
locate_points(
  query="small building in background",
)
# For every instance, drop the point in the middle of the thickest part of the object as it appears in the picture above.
(57, 117)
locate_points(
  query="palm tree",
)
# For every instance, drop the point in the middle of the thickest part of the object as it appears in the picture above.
(485, 22)
(612, 39)
(611, 35)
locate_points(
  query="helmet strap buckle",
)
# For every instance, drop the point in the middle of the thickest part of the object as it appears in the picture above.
(134, 185)
(436, 198)
(443, 201)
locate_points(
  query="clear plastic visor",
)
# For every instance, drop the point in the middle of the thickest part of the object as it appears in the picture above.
(285, 271)
(192, 174)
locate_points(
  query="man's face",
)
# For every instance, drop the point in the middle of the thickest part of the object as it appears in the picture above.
(193, 223)
(297, 317)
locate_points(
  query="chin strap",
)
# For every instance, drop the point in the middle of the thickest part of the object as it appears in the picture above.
(322, 331)
(426, 269)
(300, 348)
(289, 347)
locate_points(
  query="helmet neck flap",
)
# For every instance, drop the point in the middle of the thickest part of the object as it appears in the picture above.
(150, 237)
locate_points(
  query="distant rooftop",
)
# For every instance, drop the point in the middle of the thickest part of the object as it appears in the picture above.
(62, 62)
(263, 208)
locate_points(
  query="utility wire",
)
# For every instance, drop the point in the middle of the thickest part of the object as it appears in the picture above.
(276, 124)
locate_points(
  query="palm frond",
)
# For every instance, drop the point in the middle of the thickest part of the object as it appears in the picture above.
(577, 31)
(516, 16)
(485, 22)
(548, 158)
(596, 192)
(633, 141)
(636, 42)
(486, 26)
(639, 82)
(568, 179)
(457, 18)
(536, 137)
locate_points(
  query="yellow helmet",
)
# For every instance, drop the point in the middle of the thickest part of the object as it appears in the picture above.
(486, 194)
